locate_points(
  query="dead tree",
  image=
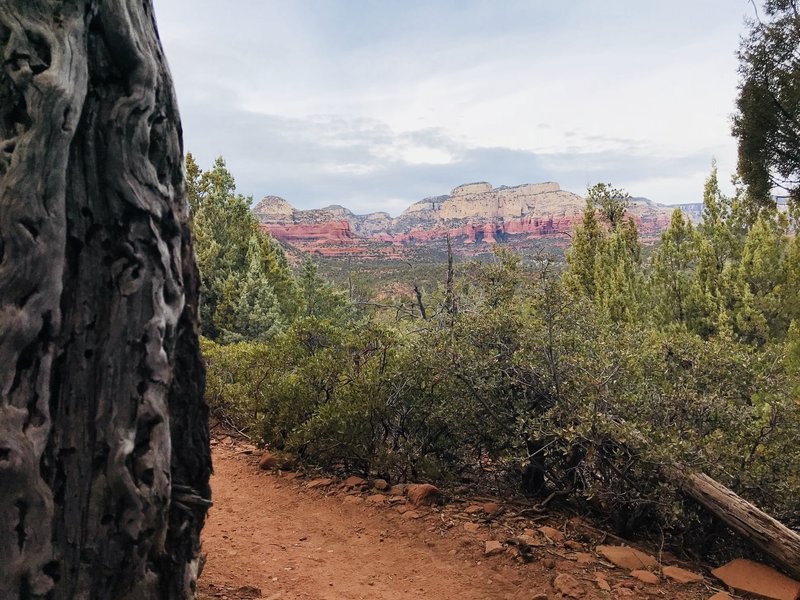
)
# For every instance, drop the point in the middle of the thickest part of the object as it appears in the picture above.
(752, 524)
(104, 459)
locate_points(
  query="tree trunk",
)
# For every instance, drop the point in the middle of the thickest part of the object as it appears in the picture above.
(765, 533)
(104, 456)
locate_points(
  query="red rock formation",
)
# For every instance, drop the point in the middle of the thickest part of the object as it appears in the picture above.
(305, 233)
(475, 216)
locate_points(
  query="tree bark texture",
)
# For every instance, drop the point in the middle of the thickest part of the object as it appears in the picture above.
(754, 525)
(104, 455)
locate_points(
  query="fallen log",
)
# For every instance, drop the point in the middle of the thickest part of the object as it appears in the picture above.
(770, 536)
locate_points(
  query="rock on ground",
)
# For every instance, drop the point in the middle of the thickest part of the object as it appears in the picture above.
(754, 578)
(424, 493)
(627, 558)
(645, 576)
(568, 586)
(493, 547)
(681, 575)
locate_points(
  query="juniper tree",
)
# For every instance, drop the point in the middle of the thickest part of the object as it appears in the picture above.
(104, 454)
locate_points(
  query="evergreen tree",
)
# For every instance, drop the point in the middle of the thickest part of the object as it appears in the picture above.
(248, 308)
(760, 315)
(237, 261)
(605, 257)
(193, 174)
(673, 270)
(612, 202)
(618, 275)
(767, 121)
(582, 253)
(319, 299)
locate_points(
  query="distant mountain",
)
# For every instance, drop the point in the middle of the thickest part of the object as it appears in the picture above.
(475, 215)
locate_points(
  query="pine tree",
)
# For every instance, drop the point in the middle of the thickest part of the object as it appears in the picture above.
(618, 276)
(320, 299)
(605, 257)
(673, 271)
(248, 308)
(767, 121)
(193, 174)
(240, 266)
(761, 281)
(582, 254)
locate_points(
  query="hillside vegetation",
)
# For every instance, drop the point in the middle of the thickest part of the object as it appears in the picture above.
(579, 383)
(584, 382)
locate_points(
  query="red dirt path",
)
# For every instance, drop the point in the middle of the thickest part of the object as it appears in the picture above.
(270, 537)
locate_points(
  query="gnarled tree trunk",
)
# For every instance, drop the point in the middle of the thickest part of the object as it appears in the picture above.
(104, 459)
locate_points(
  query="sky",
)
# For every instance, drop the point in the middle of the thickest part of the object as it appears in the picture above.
(375, 104)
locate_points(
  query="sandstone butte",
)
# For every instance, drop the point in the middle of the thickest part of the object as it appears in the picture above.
(476, 216)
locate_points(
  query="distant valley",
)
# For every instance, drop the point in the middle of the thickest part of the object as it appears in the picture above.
(475, 215)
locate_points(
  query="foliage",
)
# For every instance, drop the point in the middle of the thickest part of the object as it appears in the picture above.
(605, 257)
(767, 121)
(583, 383)
(247, 291)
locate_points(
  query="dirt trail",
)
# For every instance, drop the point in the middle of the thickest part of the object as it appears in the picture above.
(271, 537)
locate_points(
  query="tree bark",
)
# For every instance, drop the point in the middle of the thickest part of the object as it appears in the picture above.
(765, 533)
(104, 454)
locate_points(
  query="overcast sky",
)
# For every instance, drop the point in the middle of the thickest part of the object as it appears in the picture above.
(377, 104)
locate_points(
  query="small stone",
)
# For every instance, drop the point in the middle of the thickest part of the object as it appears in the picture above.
(681, 575)
(568, 586)
(491, 507)
(398, 489)
(549, 563)
(626, 557)
(317, 483)
(380, 484)
(267, 462)
(424, 493)
(354, 482)
(376, 498)
(472, 527)
(760, 580)
(412, 514)
(623, 592)
(721, 596)
(645, 576)
(573, 545)
(353, 500)
(584, 558)
(290, 476)
(492, 547)
(540, 596)
(471, 510)
(552, 534)
(602, 582)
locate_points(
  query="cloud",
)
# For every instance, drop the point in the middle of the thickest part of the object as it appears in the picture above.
(378, 106)
(366, 166)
